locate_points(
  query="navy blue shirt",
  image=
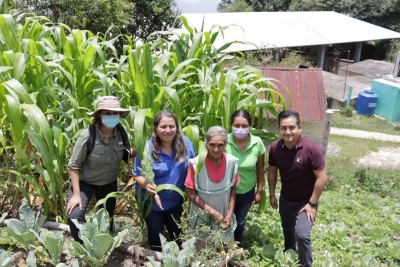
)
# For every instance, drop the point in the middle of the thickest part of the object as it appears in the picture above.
(167, 171)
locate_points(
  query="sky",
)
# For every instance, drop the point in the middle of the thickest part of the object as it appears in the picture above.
(198, 6)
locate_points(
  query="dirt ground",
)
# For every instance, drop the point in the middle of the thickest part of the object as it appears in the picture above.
(385, 158)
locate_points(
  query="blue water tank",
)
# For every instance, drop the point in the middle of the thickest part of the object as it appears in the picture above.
(366, 102)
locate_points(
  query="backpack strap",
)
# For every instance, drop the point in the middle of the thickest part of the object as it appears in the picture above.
(91, 139)
(122, 132)
(124, 135)
(125, 141)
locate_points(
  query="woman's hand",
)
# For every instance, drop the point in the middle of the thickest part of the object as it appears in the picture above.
(228, 221)
(151, 189)
(257, 198)
(215, 214)
(73, 202)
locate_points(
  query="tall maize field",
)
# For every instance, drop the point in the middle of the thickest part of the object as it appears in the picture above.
(51, 76)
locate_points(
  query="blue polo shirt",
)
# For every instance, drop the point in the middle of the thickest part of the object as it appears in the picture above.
(167, 171)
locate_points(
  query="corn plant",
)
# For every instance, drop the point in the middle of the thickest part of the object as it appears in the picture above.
(51, 76)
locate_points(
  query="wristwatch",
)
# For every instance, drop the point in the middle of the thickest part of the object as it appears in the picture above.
(313, 205)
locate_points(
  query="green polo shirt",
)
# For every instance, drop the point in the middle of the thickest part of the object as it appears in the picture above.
(247, 161)
(101, 167)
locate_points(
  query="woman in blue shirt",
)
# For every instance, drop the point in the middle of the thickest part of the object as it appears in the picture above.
(169, 151)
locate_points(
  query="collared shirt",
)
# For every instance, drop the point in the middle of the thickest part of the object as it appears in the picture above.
(296, 167)
(101, 167)
(247, 161)
(167, 171)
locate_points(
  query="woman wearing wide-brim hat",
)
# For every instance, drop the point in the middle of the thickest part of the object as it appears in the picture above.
(94, 169)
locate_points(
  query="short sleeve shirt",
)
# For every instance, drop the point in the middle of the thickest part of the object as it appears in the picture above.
(167, 171)
(247, 161)
(101, 167)
(296, 167)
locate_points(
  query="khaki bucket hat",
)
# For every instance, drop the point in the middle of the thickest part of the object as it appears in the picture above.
(110, 103)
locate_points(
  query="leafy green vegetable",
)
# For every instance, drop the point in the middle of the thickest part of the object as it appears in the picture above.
(97, 241)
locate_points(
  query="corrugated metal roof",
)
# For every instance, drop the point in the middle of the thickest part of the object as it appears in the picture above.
(306, 88)
(288, 29)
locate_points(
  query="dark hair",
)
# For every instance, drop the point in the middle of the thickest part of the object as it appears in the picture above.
(241, 113)
(178, 144)
(289, 113)
(97, 119)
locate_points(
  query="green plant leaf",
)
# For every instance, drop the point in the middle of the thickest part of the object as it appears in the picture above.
(101, 242)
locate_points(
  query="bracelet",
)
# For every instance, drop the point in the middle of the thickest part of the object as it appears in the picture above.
(272, 196)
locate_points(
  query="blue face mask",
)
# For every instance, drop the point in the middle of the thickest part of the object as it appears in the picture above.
(110, 121)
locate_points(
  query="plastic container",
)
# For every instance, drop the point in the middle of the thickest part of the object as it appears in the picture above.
(366, 102)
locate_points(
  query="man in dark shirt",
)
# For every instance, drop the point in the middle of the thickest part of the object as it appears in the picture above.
(301, 166)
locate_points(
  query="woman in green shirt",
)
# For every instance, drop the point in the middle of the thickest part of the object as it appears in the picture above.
(250, 151)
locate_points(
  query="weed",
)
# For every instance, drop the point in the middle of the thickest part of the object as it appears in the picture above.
(347, 111)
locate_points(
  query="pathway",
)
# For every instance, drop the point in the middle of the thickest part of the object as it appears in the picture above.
(366, 135)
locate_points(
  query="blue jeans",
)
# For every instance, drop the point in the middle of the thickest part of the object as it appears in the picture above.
(296, 229)
(155, 225)
(242, 206)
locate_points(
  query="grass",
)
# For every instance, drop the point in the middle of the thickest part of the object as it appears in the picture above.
(358, 219)
(351, 149)
(364, 123)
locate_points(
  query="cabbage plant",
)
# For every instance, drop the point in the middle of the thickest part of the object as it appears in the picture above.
(98, 243)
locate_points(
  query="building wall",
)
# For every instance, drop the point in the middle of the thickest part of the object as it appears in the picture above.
(388, 104)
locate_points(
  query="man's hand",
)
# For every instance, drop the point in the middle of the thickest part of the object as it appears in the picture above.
(257, 198)
(311, 212)
(273, 202)
(73, 202)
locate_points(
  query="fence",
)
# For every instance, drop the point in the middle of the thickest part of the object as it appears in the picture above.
(318, 131)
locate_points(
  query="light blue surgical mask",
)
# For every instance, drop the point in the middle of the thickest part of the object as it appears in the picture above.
(110, 121)
(240, 132)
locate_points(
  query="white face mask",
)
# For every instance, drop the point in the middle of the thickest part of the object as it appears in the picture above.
(240, 132)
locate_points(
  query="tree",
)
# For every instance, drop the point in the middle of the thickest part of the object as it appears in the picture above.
(150, 16)
(136, 18)
(384, 13)
(237, 6)
(256, 5)
(223, 4)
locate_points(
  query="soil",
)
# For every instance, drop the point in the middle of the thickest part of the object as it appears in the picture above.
(383, 158)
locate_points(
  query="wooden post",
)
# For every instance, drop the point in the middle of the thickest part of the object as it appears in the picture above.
(327, 131)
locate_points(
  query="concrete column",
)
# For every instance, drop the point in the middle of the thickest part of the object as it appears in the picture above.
(321, 56)
(389, 49)
(357, 53)
(327, 131)
(276, 55)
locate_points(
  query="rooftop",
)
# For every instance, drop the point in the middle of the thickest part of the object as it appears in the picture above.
(289, 29)
(307, 95)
